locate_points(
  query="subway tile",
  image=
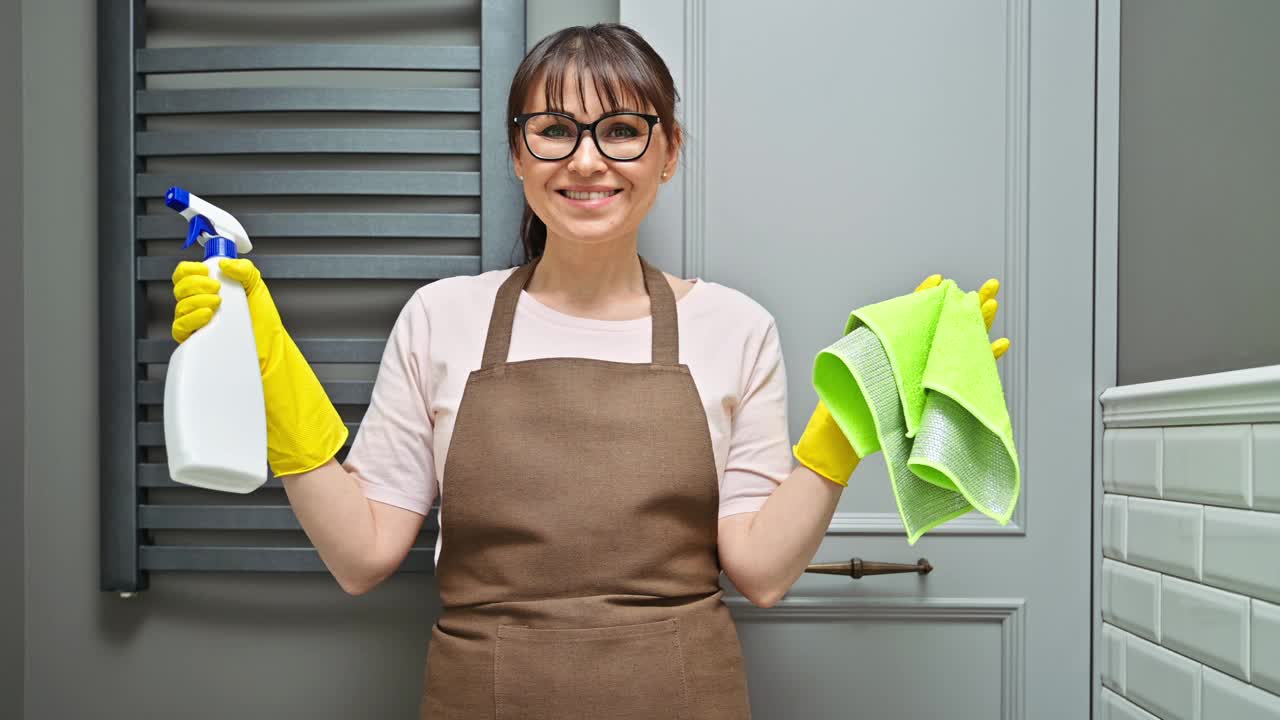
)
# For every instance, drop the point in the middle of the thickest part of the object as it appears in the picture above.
(1161, 681)
(1207, 463)
(1132, 465)
(1240, 551)
(1116, 707)
(1113, 525)
(1226, 698)
(1266, 467)
(1165, 536)
(1113, 657)
(1205, 623)
(1131, 598)
(1265, 639)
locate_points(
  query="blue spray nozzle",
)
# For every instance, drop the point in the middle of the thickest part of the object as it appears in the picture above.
(199, 225)
(177, 199)
(206, 219)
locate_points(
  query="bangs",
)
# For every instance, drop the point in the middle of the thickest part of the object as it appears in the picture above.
(618, 82)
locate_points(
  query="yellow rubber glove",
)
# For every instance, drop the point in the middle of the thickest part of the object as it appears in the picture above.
(304, 430)
(824, 449)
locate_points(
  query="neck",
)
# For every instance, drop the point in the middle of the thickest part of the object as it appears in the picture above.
(585, 276)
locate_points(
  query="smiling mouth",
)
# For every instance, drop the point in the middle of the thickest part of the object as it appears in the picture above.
(572, 195)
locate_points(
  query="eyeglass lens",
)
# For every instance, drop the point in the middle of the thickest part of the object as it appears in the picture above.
(620, 137)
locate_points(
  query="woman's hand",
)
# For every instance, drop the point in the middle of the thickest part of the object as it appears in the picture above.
(986, 299)
(197, 296)
(198, 299)
(825, 450)
(304, 430)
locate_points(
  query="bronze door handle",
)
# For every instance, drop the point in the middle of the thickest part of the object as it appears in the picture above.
(857, 567)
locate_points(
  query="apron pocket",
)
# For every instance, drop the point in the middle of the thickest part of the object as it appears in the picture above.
(621, 672)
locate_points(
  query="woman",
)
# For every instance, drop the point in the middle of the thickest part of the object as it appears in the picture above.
(604, 438)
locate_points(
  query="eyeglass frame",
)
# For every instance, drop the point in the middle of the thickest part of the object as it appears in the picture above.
(583, 128)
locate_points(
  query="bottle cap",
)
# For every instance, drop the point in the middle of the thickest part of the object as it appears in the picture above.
(219, 247)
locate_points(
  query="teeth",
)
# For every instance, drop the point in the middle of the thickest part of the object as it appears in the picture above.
(587, 195)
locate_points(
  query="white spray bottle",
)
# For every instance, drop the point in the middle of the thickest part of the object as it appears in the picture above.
(215, 427)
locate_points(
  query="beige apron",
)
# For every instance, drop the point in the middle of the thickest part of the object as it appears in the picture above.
(579, 572)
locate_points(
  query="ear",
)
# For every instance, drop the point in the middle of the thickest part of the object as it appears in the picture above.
(517, 165)
(673, 154)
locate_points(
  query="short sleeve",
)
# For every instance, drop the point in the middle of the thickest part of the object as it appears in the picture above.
(759, 456)
(392, 456)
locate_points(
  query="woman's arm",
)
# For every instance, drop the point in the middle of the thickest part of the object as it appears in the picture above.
(764, 552)
(361, 541)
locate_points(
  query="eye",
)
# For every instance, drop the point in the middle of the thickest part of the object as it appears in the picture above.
(558, 130)
(623, 129)
(620, 130)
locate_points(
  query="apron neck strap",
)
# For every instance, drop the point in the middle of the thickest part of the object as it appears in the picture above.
(662, 308)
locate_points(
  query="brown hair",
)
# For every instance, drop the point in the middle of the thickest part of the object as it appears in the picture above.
(624, 69)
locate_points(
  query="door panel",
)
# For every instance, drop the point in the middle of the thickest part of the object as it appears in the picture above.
(838, 154)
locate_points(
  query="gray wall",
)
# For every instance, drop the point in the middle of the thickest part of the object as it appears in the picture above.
(544, 17)
(193, 645)
(12, 420)
(1199, 234)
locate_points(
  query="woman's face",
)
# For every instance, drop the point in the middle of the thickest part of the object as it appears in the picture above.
(633, 184)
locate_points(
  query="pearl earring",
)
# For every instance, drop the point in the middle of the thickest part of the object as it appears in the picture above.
(664, 176)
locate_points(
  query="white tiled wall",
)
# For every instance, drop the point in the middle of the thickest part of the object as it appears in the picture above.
(1191, 573)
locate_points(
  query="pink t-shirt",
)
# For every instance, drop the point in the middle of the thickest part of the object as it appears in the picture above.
(728, 340)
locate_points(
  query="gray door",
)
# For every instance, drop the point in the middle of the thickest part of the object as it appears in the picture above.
(839, 153)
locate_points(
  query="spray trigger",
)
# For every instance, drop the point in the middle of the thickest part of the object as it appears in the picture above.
(199, 225)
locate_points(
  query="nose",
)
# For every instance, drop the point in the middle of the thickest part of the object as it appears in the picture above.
(587, 160)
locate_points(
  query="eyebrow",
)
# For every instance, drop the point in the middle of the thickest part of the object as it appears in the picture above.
(606, 112)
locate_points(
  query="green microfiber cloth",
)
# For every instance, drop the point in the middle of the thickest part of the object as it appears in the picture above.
(914, 376)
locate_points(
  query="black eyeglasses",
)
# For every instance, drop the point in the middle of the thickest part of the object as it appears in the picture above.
(620, 136)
